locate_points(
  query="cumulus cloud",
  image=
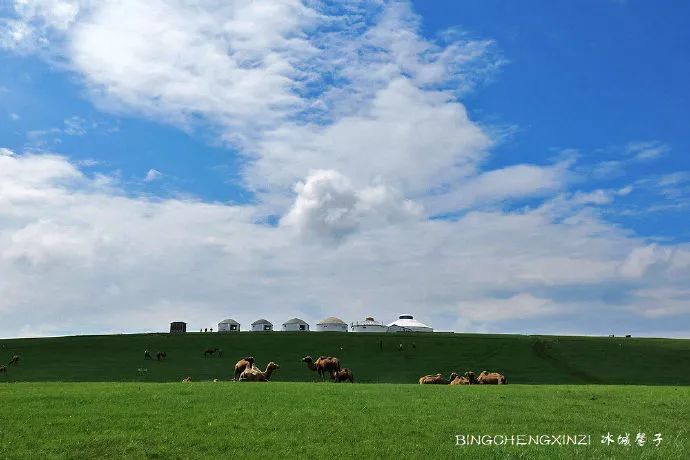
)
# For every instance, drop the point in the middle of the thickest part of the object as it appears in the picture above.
(329, 207)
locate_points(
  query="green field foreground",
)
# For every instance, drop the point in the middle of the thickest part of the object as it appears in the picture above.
(324, 420)
(374, 358)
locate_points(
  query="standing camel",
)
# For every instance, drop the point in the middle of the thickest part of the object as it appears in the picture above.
(212, 351)
(253, 374)
(14, 361)
(3, 369)
(324, 365)
(147, 354)
(161, 355)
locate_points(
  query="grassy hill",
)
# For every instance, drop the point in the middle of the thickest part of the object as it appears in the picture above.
(523, 359)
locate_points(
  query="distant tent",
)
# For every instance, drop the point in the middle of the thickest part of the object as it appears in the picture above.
(228, 325)
(295, 324)
(331, 324)
(261, 325)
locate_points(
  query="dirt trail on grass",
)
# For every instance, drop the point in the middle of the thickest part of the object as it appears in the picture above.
(540, 350)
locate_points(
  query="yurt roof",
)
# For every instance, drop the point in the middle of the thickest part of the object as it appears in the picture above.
(407, 321)
(295, 321)
(368, 321)
(331, 320)
(229, 321)
(261, 321)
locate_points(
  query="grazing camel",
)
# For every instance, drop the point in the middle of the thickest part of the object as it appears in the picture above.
(242, 364)
(436, 379)
(323, 365)
(161, 355)
(254, 374)
(3, 369)
(212, 351)
(343, 375)
(14, 360)
(147, 354)
(187, 380)
(491, 378)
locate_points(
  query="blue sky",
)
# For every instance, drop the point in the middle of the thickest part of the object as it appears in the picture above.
(295, 135)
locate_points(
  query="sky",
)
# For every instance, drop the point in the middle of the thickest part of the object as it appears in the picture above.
(496, 166)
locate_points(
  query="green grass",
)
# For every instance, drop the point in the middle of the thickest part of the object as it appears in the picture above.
(523, 359)
(288, 420)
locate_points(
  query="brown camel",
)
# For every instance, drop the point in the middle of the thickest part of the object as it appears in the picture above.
(436, 379)
(242, 364)
(147, 354)
(343, 375)
(3, 369)
(212, 351)
(254, 374)
(324, 365)
(467, 379)
(14, 360)
(161, 355)
(491, 378)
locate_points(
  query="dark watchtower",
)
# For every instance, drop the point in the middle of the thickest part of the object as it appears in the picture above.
(178, 327)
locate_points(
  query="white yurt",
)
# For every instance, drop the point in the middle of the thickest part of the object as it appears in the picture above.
(407, 323)
(295, 324)
(368, 325)
(331, 324)
(261, 325)
(228, 325)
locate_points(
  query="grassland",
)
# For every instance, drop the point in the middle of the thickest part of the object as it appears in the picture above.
(524, 359)
(324, 420)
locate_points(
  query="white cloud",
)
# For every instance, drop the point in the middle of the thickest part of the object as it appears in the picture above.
(645, 151)
(152, 175)
(328, 207)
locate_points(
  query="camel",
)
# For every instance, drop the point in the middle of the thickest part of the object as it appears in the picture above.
(436, 379)
(323, 365)
(161, 355)
(212, 351)
(187, 380)
(3, 369)
(253, 374)
(14, 360)
(343, 375)
(147, 354)
(491, 378)
(242, 364)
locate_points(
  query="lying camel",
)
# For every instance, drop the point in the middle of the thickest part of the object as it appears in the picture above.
(343, 375)
(242, 364)
(436, 379)
(161, 355)
(14, 360)
(323, 365)
(187, 380)
(467, 379)
(212, 351)
(147, 354)
(491, 378)
(254, 374)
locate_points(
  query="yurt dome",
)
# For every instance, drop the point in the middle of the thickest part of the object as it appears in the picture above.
(368, 325)
(407, 323)
(331, 324)
(295, 324)
(262, 325)
(228, 325)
